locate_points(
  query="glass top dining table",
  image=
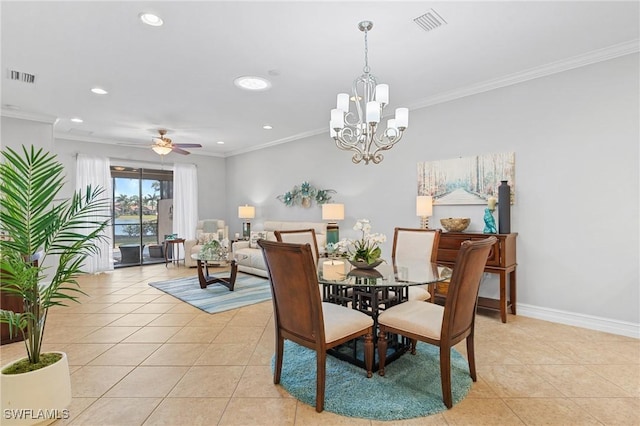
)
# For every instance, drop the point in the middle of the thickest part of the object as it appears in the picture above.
(372, 291)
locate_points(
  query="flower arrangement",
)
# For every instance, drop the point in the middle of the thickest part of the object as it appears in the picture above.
(215, 250)
(365, 249)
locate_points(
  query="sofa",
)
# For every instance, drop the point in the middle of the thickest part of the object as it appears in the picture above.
(206, 230)
(249, 255)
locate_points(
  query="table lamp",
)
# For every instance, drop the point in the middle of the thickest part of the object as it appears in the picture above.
(424, 209)
(246, 212)
(333, 213)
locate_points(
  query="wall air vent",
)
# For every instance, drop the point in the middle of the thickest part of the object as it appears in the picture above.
(430, 20)
(23, 77)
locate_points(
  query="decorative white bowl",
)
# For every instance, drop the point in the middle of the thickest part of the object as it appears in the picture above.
(455, 224)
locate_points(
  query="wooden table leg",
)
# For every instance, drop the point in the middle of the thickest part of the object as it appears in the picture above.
(512, 291)
(503, 296)
(206, 280)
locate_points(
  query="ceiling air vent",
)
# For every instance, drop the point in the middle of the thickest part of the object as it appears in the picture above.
(23, 77)
(430, 20)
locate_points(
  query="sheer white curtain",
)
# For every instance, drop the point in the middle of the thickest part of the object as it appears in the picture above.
(95, 171)
(185, 200)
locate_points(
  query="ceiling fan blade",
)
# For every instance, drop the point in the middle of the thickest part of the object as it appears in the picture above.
(179, 150)
(188, 145)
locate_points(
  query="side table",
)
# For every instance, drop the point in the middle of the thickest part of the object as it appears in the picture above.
(175, 256)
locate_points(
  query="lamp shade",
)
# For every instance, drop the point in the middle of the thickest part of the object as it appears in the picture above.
(246, 212)
(424, 205)
(333, 212)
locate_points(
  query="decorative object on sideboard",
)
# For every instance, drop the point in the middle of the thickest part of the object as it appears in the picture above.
(333, 212)
(246, 212)
(305, 194)
(466, 180)
(455, 224)
(358, 130)
(424, 209)
(504, 207)
(489, 220)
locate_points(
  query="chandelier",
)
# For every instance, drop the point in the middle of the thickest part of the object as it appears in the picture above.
(359, 130)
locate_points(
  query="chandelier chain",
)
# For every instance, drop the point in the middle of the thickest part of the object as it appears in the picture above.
(366, 68)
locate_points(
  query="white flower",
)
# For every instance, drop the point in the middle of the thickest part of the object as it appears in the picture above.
(366, 228)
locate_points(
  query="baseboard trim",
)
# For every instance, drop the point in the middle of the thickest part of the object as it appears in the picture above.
(591, 322)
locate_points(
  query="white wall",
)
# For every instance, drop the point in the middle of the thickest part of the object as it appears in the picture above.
(575, 135)
(15, 132)
(211, 170)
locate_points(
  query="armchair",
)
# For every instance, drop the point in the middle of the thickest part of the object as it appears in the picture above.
(206, 230)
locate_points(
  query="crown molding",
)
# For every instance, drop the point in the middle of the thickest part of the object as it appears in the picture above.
(127, 144)
(31, 116)
(595, 56)
(276, 142)
(592, 57)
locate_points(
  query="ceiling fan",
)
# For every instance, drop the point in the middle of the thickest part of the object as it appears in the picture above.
(163, 145)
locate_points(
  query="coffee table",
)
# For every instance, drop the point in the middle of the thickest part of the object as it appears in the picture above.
(203, 271)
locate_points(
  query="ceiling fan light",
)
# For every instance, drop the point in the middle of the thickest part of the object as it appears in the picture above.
(161, 150)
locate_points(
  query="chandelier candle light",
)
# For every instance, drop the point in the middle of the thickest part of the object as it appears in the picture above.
(358, 131)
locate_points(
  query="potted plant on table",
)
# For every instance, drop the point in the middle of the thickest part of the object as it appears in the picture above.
(35, 227)
(364, 252)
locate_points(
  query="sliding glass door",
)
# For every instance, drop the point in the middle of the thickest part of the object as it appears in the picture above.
(137, 194)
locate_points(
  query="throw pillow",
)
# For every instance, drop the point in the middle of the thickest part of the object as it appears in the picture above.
(205, 237)
(255, 236)
(210, 226)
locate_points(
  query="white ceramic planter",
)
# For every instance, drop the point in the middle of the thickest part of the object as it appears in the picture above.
(38, 397)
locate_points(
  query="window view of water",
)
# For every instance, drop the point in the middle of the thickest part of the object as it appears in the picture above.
(135, 213)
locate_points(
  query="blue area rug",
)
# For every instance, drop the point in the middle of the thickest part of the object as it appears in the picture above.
(410, 388)
(248, 290)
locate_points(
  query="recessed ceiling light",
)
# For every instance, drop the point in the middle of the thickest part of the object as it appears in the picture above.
(151, 19)
(99, 91)
(118, 168)
(250, 82)
(267, 127)
(77, 120)
(220, 142)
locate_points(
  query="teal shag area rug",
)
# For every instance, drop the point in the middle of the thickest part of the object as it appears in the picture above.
(248, 290)
(410, 388)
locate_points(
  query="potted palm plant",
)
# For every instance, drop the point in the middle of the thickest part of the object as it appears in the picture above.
(38, 230)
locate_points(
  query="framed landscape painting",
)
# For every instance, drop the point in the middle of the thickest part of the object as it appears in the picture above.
(468, 180)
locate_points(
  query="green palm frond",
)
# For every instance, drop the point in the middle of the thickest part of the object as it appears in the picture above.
(33, 220)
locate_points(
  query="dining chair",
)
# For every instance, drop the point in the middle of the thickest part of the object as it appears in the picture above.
(300, 236)
(442, 326)
(413, 245)
(301, 316)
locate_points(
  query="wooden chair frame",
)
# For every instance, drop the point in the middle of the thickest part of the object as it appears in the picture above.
(458, 317)
(298, 309)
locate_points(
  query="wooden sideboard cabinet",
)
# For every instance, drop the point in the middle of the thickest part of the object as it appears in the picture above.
(501, 261)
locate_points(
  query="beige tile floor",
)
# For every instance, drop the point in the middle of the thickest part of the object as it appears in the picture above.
(141, 357)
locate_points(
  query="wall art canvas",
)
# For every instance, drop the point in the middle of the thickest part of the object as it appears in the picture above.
(467, 180)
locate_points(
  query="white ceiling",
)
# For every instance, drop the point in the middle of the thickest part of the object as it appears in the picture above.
(180, 76)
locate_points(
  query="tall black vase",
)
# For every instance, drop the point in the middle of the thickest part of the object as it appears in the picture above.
(504, 208)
